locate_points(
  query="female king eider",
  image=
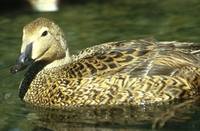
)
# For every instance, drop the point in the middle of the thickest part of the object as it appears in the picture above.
(116, 73)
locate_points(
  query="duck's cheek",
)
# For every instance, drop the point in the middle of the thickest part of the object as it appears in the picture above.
(38, 51)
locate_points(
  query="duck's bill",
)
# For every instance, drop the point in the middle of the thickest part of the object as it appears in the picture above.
(17, 67)
(23, 60)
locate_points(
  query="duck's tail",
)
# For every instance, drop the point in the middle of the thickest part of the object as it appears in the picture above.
(184, 46)
(195, 52)
(192, 76)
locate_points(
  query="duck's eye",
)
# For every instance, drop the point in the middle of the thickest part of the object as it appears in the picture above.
(44, 33)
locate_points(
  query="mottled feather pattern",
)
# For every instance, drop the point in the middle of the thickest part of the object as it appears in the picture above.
(118, 73)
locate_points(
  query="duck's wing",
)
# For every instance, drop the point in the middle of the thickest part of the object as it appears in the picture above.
(136, 57)
(113, 46)
(168, 58)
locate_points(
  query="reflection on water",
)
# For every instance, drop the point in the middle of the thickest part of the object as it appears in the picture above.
(92, 118)
(88, 24)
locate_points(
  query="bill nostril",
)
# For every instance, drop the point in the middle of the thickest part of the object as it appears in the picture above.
(22, 58)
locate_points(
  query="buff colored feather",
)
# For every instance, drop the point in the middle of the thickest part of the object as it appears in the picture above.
(131, 72)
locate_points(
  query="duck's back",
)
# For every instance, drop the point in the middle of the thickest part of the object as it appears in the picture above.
(135, 58)
(127, 72)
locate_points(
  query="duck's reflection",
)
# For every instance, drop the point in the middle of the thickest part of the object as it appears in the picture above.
(123, 118)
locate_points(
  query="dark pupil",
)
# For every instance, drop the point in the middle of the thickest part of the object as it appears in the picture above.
(44, 33)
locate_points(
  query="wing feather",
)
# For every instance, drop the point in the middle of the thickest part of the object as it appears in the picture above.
(136, 58)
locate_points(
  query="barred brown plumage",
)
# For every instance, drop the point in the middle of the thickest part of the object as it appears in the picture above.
(116, 73)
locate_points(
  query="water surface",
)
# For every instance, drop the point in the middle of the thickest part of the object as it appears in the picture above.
(88, 24)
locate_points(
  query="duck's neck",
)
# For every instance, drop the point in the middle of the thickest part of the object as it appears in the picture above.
(59, 62)
(29, 76)
(38, 66)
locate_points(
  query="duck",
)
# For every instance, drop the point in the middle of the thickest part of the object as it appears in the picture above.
(128, 72)
(44, 6)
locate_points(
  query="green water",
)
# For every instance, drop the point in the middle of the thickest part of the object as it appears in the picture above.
(85, 25)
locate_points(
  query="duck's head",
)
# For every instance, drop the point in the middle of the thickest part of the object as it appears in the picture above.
(42, 40)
